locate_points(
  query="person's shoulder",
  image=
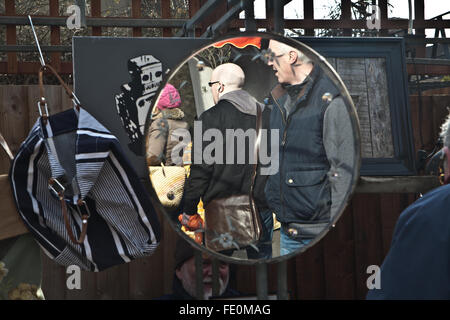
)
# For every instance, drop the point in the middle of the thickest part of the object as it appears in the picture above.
(432, 207)
(222, 107)
(325, 83)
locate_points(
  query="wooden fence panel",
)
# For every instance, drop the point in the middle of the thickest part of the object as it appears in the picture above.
(368, 244)
(338, 252)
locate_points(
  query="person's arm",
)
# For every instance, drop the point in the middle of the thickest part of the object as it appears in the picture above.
(339, 143)
(157, 139)
(200, 172)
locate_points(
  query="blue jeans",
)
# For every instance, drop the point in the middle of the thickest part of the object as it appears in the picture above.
(265, 243)
(288, 245)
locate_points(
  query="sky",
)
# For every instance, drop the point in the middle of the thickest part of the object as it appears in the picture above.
(294, 10)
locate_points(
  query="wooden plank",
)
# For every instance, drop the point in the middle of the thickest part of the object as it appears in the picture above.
(165, 13)
(346, 14)
(353, 74)
(55, 36)
(4, 159)
(368, 240)
(390, 209)
(397, 184)
(308, 8)
(194, 6)
(439, 105)
(148, 276)
(338, 257)
(14, 115)
(88, 287)
(96, 11)
(426, 69)
(426, 122)
(379, 108)
(168, 248)
(33, 68)
(309, 267)
(10, 223)
(11, 37)
(53, 279)
(113, 283)
(414, 114)
(292, 279)
(245, 279)
(136, 13)
(383, 17)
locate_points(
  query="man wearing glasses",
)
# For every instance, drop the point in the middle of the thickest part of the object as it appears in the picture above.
(417, 265)
(234, 109)
(316, 147)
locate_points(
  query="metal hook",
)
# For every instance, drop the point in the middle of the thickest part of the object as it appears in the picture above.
(75, 99)
(41, 57)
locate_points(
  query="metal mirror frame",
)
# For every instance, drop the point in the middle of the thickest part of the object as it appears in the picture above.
(335, 78)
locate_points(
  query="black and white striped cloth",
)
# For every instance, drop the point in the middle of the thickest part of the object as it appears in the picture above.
(74, 147)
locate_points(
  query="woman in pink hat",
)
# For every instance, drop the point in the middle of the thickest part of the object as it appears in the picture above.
(167, 117)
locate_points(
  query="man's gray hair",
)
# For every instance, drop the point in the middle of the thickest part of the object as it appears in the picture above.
(300, 55)
(445, 132)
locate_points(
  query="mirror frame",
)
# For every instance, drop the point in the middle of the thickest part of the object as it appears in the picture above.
(334, 77)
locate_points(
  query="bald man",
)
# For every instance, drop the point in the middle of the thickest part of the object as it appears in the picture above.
(228, 175)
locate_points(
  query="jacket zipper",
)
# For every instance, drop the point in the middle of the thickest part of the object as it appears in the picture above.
(283, 143)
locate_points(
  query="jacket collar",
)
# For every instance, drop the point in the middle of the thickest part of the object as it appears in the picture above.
(173, 114)
(299, 92)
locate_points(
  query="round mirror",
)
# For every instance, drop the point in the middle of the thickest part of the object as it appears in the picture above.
(253, 147)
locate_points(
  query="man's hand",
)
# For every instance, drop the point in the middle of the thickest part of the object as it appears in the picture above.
(191, 223)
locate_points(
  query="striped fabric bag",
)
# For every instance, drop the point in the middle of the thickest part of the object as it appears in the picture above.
(79, 196)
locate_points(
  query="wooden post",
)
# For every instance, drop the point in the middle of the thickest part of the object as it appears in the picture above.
(55, 35)
(194, 6)
(384, 17)
(96, 11)
(11, 38)
(346, 15)
(308, 6)
(136, 13)
(261, 281)
(419, 11)
(165, 12)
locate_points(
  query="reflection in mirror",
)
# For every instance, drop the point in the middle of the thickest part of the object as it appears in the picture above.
(253, 147)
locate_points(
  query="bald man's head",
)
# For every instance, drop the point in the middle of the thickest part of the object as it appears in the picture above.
(229, 74)
(226, 78)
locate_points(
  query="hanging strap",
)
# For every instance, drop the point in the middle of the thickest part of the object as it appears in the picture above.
(256, 152)
(58, 189)
(43, 102)
(6, 147)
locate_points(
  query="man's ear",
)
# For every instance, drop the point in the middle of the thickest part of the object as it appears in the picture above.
(178, 273)
(293, 56)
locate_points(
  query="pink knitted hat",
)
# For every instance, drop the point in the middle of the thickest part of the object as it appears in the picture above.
(170, 98)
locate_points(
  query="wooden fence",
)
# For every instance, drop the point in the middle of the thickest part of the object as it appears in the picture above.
(167, 23)
(333, 269)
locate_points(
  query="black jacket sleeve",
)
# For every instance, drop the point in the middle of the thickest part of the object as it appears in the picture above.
(200, 172)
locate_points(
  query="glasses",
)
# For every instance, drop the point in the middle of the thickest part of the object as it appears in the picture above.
(211, 83)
